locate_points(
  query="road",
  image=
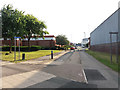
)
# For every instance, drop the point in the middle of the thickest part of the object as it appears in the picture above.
(75, 69)
(97, 73)
(68, 72)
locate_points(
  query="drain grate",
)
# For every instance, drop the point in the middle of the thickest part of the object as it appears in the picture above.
(92, 74)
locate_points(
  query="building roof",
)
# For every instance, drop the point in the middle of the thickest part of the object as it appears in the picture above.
(44, 36)
(105, 20)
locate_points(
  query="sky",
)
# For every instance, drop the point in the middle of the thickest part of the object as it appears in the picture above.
(74, 18)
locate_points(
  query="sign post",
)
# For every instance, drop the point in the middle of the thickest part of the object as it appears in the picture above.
(116, 33)
(14, 49)
(19, 49)
(15, 38)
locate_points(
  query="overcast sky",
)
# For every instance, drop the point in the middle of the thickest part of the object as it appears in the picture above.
(68, 17)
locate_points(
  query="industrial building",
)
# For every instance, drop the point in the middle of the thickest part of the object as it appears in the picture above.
(101, 39)
(84, 42)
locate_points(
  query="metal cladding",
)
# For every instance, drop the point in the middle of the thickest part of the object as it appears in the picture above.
(106, 37)
(101, 35)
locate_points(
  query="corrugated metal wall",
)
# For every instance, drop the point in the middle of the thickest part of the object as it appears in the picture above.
(119, 25)
(101, 34)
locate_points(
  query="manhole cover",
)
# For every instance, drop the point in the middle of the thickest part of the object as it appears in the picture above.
(92, 74)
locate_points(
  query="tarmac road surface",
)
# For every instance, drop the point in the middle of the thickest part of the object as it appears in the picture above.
(75, 69)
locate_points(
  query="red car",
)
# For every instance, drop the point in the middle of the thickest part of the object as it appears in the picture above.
(72, 48)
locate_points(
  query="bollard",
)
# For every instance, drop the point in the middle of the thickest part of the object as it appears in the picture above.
(51, 54)
(23, 56)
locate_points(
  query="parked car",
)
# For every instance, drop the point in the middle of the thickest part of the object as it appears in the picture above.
(72, 48)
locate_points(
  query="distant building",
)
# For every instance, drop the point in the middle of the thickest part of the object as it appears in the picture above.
(48, 41)
(78, 44)
(100, 37)
(84, 42)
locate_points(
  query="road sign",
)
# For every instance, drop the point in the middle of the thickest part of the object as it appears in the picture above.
(17, 37)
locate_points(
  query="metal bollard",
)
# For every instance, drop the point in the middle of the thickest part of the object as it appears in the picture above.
(51, 54)
(23, 56)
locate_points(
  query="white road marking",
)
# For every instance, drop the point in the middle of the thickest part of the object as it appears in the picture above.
(85, 76)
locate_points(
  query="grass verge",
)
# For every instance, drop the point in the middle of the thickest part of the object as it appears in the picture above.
(105, 59)
(28, 55)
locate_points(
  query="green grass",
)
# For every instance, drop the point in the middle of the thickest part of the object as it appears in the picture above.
(105, 59)
(28, 55)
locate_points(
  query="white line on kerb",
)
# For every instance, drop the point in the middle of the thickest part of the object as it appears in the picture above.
(84, 76)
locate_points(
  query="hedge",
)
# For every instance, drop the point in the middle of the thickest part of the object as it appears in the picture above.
(32, 48)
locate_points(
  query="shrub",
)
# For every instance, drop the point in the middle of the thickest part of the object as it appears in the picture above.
(32, 48)
(22, 48)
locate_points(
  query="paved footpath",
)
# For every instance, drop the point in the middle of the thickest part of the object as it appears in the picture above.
(97, 73)
(28, 78)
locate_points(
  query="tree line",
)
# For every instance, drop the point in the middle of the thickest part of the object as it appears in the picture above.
(16, 23)
(62, 40)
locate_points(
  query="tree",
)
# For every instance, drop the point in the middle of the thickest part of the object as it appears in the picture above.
(15, 23)
(0, 27)
(12, 23)
(34, 27)
(62, 40)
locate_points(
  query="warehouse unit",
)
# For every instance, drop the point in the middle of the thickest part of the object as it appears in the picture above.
(100, 37)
